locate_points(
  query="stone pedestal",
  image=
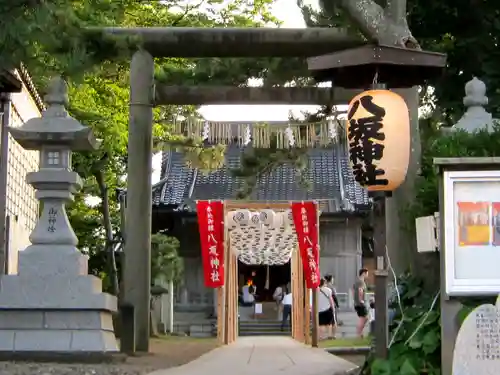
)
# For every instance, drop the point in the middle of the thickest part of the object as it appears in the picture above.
(54, 305)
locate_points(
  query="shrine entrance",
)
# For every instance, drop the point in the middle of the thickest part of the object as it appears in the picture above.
(258, 235)
(264, 279)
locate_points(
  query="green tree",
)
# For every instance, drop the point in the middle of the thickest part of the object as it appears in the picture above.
(166, 264)
(471, 50)
(48, 37)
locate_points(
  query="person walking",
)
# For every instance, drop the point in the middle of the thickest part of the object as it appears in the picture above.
(360, 301)
(286, 302)
(330, 283)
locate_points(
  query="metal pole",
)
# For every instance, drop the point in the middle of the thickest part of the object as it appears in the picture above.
(137, 249)
(4, 165)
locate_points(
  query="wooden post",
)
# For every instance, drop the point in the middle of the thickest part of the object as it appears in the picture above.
(220, 314)
(170, 324)
(315, 318)
(315, 322)
(307, 314)
(235, 297)
(381, 275)
(227, 283)
(293, 284)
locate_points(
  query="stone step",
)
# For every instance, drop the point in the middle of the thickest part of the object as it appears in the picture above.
(266, 333)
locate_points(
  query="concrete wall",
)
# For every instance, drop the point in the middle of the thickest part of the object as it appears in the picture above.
(341, 254)
(22, 207)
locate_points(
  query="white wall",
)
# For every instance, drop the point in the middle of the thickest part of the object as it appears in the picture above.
(22, 207)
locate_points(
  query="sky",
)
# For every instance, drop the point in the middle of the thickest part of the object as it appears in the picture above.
(288, 12)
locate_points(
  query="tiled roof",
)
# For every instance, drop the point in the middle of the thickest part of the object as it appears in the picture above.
(332, 182)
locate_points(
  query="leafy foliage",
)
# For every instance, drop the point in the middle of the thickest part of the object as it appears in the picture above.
(258, 162)
(456, 144)
(417, 344)
(439, 26)
(165, 260)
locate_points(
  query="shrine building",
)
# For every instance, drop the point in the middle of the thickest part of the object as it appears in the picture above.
(344, 205)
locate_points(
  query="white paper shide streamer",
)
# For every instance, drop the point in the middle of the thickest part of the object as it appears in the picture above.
(332, 129)
(206, 130)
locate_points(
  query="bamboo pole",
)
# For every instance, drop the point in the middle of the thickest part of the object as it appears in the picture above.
(220, 314)
(307, 314)
(227, 283)
(315, 322)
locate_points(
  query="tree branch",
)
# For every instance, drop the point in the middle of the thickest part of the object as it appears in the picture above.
(106, 217)
(396, 10)
(387, 26)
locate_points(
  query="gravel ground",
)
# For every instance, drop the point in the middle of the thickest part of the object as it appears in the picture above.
(165, 353)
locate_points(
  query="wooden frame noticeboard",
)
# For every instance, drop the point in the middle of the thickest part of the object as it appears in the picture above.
(227, 296)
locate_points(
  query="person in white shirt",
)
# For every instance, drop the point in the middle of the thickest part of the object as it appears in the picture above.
(326, 311)
(248, 296)
(278, 295)
(286, 302)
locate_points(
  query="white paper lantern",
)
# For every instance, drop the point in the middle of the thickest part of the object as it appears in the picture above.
(238, 218)
(255, 219)
(271, 219)
(287, 219)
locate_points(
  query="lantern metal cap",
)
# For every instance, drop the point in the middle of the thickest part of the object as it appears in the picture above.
(56, 126)
(397, 67)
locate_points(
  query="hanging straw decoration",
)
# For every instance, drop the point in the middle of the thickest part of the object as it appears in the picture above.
(259, 135)
(206, 131)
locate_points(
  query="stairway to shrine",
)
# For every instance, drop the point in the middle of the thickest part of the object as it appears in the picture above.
(269, 327)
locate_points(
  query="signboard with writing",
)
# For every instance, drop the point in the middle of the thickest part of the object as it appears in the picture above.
(471, 232)
(305, 218)
(477, 348)
(211, 227)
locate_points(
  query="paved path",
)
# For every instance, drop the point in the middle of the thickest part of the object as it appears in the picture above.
(263, 355)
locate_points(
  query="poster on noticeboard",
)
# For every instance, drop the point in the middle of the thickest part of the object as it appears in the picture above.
(472, 232)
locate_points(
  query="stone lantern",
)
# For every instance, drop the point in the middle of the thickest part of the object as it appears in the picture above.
(52, 304)
(475, 117)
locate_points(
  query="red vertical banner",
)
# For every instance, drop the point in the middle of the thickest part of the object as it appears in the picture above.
(211, 227)
(305, 219)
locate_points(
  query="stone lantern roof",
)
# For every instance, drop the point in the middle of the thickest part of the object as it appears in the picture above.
(475, 117)
(56, 126)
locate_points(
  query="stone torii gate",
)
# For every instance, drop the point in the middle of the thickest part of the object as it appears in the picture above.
(145, 93)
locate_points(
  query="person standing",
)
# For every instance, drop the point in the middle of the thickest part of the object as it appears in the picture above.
(330, 283)
(360, 301)
(286, 302)
(326, 308)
